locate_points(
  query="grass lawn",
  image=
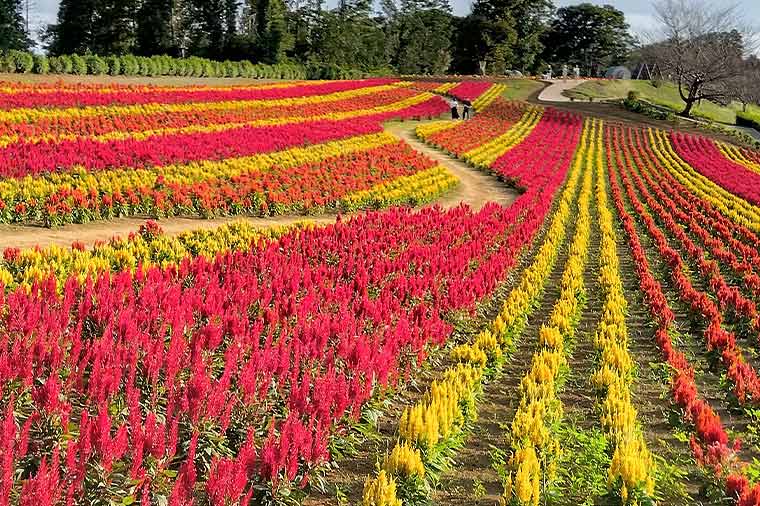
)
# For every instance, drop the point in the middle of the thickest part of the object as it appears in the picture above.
(520, 89)
(665, 95)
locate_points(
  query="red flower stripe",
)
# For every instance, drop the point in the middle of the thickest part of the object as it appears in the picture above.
(705, 157)
(122, 123)
(469, 90)
(745, 383)
(168, 95)
(21, 160)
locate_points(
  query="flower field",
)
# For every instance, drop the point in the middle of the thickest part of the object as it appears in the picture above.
(593, 342)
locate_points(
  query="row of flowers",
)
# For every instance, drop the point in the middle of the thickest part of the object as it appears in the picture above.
(630, 475)
(487, 98)
(737, 209)
(431, 430)
(704, 156)
(296, 182)
(113, 123)
(459, 138)
(743, 378)
(203, 143)
(533, 447)
(28, 99)
(144, 249)
(203, 356)
(742, 156)
(710, 442)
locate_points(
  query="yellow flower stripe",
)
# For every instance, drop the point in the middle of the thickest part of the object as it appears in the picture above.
(144, 250)
(630, 471)
(110, 181)
(445, 87)
(735, 154)
(486, 154)
(535, 449)
(427, 129)
(212, 128)
(451, 401)
(734, 207)
(420, 188)
(105, 90)
(30, 115)
(489, 96)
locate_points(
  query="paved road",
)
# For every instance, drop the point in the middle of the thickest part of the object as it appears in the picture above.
(553, 92)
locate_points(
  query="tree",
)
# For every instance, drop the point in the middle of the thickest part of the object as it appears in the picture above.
(156, 31)
(115, 27)
(748, 84)
(533, 22)
(701, 50)
(424, 37)
(12, 31)
(75, 28)
(273, 37)
(588, 35)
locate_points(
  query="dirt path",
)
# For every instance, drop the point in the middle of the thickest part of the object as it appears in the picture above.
(475, 189)
(554, 92)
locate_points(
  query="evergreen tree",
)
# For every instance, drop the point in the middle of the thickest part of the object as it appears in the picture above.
(273, 39)
(115, 27)
(156, 33)
(12, 34)
(75, 27)
(424, 37)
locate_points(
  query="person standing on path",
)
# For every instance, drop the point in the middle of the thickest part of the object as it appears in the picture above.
(454, 108)
(466, 107)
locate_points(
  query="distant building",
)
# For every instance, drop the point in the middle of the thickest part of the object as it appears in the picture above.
(619, 72)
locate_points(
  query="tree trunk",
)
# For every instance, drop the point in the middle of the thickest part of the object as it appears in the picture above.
(687, 110)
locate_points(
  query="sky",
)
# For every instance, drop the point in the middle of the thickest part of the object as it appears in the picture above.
(639, 13)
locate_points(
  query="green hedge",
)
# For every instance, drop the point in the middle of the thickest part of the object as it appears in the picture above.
(128, 65)
(748, 119)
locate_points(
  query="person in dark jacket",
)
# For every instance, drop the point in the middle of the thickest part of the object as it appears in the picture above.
(466, 109)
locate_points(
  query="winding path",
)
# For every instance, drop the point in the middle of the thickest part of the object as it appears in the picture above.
(553, 92)
(475, 189)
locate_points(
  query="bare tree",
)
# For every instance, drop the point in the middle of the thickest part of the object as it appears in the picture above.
(701, 48)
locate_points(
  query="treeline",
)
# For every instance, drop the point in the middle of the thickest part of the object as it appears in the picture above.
(394, 36)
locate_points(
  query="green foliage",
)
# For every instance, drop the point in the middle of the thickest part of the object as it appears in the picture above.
(78, 65)
(12, 34)
(61, 64)
(114, 65)
(96, 65)
(589, 36)
(20, 61)
(41, 64)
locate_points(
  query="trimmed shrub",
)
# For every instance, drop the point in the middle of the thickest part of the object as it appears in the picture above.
(78, 65)
(41, 64)
(96, 65)
(20, 61)
(114, 65)
(129, 65)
